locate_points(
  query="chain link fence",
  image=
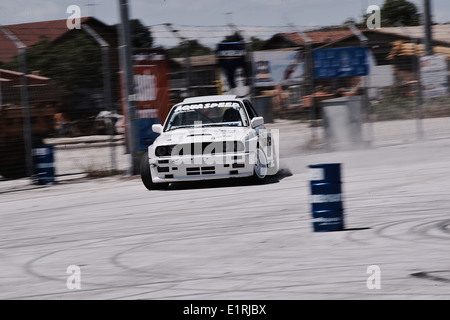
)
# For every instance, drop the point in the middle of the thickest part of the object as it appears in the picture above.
(409, 98)
(403, 99)
(57, 84)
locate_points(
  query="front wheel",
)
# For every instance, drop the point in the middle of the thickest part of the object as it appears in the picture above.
(261, 167)
(146, 175)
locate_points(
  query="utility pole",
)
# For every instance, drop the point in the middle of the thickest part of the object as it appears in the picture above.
(130, 97)
(187, 57)
(427, 26)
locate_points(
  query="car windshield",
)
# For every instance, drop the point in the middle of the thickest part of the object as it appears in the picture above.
(215, 114)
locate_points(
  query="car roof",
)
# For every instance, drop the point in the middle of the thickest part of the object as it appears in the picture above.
(216, 98)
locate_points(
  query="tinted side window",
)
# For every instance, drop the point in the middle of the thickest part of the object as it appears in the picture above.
(250, 110)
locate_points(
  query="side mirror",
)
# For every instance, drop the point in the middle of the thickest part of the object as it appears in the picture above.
(157, 128)
(256, 122)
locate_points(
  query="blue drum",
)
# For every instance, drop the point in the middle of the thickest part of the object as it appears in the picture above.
(326, 197)
(44, 169)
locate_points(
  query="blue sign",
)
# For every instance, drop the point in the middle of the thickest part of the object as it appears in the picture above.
(144, 133)
(340, 62)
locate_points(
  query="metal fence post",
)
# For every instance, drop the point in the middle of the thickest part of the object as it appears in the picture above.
(106, 89)
(418, 93)
(427, 23)
(415, 64)
(127, 67)
(366, 101)
(187, 58)
(26, 113)
(310, 76)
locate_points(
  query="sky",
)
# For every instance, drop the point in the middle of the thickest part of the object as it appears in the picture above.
(207, 19)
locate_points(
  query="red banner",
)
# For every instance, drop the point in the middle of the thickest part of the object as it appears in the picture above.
(151, 87)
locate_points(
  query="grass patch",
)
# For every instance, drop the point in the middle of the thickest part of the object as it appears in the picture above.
(396, 106)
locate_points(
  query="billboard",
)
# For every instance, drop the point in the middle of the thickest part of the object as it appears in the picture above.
(273, 68)
(232, 59)
(151, 86)
(340, 62)
(433, 76)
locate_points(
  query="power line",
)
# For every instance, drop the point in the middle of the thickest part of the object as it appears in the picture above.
(213, 32)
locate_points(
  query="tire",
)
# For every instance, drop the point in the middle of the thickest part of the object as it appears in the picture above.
(273, 171)
(146, 176)
(260, 170)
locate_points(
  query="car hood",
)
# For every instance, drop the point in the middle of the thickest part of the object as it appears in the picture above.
(201, 135)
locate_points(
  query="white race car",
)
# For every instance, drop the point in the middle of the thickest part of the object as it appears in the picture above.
(211, 137)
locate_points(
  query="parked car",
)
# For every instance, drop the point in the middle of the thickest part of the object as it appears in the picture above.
(105, 119)
(211, 137)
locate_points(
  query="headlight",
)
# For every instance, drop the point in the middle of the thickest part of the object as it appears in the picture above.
(161, 151)
(164, 151)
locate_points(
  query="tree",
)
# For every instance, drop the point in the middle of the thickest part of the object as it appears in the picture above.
(255, 43)
(75, 63)
(403, 11)
(350, 21)
(195, 49)
(235, 37)
(360, 25)
(141, 37)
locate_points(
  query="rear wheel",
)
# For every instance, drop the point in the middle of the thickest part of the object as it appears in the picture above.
(146, 175)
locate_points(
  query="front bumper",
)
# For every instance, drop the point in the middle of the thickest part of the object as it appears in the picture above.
(201, 167)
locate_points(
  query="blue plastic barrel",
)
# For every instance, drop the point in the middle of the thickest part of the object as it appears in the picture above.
(44, 169)
(326, 197)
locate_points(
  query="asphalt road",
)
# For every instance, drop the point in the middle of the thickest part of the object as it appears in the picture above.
(233, 240)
